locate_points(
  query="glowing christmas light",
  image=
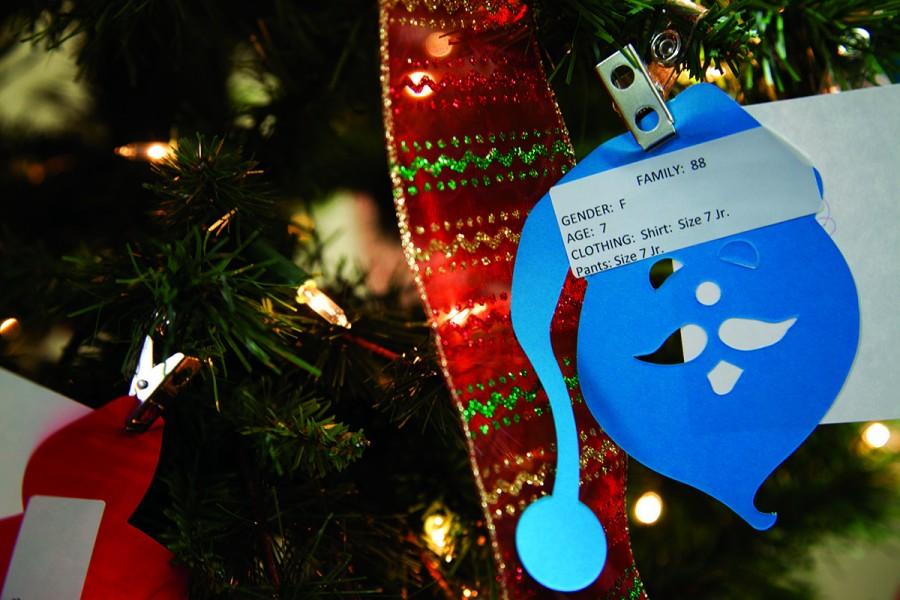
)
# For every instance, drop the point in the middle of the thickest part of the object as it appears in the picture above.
(438, 527)
(321, 304)
(10, 328)
(648, 508)
(856, 40)
(148, 151)
(435, 527)
(876, 435)
(157, 151)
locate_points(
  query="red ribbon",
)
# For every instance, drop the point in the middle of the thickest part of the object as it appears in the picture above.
(475, 138)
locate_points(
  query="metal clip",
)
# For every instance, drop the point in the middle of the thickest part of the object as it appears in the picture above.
(169, 376)
(636, 97)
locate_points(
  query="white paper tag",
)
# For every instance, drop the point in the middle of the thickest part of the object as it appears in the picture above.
(29, 414)
(740, 182)
(53, 550)
(851, 137)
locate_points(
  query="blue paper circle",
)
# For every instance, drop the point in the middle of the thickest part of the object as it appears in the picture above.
(561, 543)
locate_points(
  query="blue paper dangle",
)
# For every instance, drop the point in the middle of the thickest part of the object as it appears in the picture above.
(710, 364)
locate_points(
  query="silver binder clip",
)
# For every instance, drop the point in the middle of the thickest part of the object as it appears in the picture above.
(150, 377)
(635, 95)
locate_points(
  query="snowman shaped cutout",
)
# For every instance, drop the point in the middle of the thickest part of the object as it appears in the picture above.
(710, 364)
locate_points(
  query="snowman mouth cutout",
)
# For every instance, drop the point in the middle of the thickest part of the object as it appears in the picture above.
(689, 341)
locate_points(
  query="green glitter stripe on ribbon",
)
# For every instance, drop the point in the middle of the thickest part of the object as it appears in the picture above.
(482, 162)
(509, 401)
(486, 429)
(637, 586)
(492, 383)
(497, 400)
(454, 184)
(468, 140)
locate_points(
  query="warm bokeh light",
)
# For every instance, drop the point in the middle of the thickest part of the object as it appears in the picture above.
(321, 304)
(148, 151)
(437, 528)
(302, 225)
(648, 508)
(416, 78)
(157, 151)
(10, 327)
(438, 44)
(876, 435)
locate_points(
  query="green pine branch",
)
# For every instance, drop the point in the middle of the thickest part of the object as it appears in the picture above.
(294, 431)
(843, 42)
(205, 182)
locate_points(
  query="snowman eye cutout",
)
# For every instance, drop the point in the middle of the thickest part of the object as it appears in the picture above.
(661, 270)
(740, 253)
(684, 345)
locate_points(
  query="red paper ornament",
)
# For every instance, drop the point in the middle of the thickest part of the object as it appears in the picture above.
(94, 458)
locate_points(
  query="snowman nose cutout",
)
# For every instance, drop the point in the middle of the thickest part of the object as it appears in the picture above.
(750, 334)
(723, 377)
(682, 346)
(662, 270)
(743, 334)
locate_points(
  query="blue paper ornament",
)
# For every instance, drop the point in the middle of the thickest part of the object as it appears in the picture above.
(709, 364)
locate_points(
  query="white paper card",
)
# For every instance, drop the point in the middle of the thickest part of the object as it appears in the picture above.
(853, 138)
(53, 550)
(683, 198)
(29, 414)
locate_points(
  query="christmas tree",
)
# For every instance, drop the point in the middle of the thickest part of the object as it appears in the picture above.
(317, 451)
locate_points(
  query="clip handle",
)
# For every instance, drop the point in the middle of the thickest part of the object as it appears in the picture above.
(635, 95)
(143, 416)
(146, 412)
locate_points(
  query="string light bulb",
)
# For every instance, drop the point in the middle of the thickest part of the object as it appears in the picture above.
(876, 435)
(10, 328)
(648, 509)
(438, 529)
(157, 151)
(310, 295)
(146, 151)
(855, 42)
